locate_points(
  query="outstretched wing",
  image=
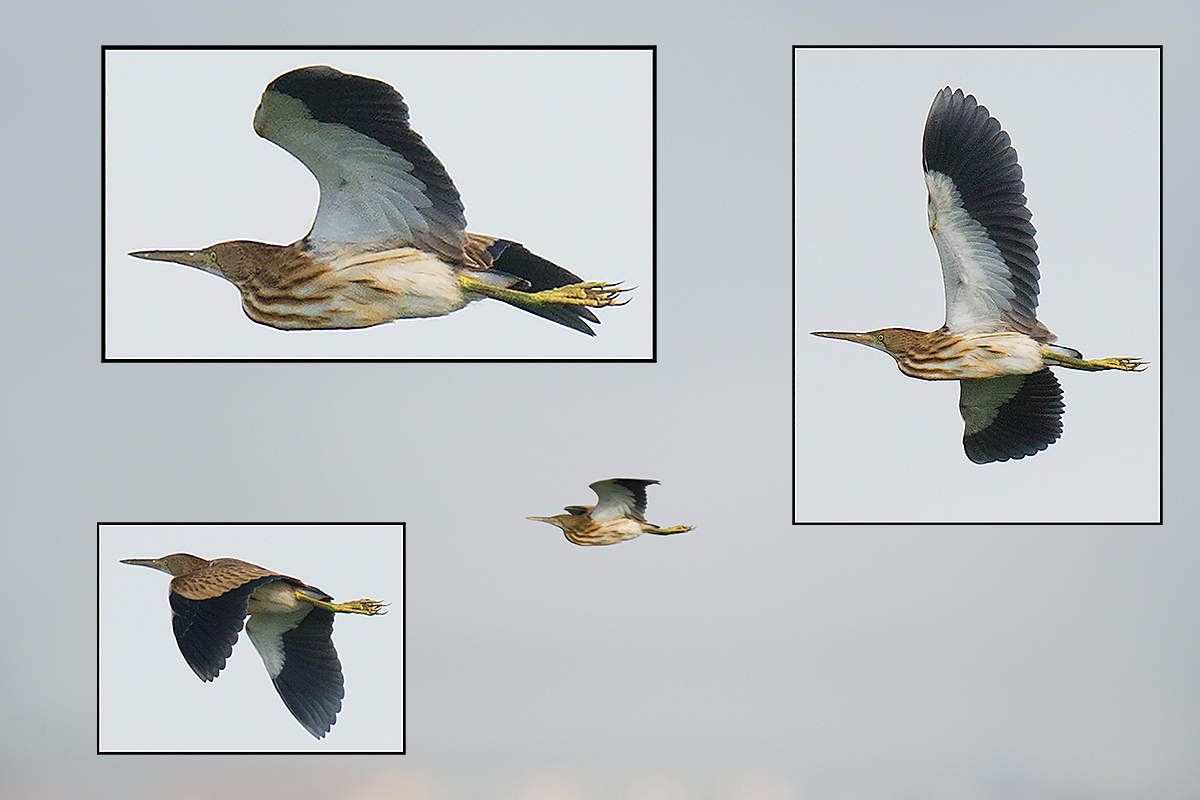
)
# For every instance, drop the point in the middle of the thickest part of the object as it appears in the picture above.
(978, 218)
(297, 649)
(206, 629)
(619, 498)
(379, 182)
(1010, 417)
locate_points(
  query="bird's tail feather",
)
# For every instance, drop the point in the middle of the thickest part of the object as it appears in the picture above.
(538, 274)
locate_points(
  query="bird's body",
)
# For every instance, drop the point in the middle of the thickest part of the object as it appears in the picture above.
(992, 341)
(301, 287)
(619, 515)
(290, 624)
(942, 356)
(389, 240)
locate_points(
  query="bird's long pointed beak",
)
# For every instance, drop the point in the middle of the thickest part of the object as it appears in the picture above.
(192, 258)
(861, 338)
(541, 519)
(153, 563)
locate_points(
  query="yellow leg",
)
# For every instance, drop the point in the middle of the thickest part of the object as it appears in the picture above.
(596, 295)
(1124, 364)
(667, 531)
(368, 607)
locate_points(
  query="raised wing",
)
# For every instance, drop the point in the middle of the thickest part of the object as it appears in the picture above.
(978, 218)
(1010, 417)
(620, 498)
(379, 183)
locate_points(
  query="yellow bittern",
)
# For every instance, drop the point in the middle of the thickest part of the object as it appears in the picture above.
(291, 626)
(619, 514)
(992, 342)
(389, 240)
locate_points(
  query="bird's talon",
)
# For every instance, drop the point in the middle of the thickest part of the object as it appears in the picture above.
(597, 294)
(368, 607)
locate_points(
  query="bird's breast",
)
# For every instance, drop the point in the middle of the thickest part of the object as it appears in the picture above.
(973, 355)
(358, 290)
(604, 532)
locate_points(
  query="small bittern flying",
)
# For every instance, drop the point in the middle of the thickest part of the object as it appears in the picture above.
(992, 342)
(291, 626)
(389, 240)
(619, 514)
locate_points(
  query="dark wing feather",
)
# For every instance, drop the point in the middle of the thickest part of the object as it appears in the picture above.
(1010, 417)
(384, 184)
(206, 630)
(620, 497)
(965, 143)
(536, 274)
(310, 682)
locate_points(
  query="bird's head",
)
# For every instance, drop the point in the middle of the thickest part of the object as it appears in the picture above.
(556, 521)
(892, 341)
(174, 564)
(235, 261)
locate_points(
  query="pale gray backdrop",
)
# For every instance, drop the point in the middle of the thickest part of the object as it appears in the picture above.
(747, 660)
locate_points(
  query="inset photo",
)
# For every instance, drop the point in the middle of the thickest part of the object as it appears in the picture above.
(251, 638)
(477, 204)
(988, 221)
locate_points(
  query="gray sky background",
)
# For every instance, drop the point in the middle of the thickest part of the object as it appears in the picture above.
(747, 660)
(551, 149)
(875, 444)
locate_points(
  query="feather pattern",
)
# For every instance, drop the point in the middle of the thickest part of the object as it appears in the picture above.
(378, 179)
(207, 629)
(1010, 417)
(977, 215)
(298, 652)
(620, 498)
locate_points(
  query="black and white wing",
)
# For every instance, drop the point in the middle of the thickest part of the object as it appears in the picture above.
(978, 219)
(297, 649)
(206, 629)
(380, 185)
(1010, 417)
(620, 498)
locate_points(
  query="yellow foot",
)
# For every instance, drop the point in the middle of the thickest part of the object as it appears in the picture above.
(668, 531)
(368, 607)
(1126, 364)
(596, 295)
(1095, 365)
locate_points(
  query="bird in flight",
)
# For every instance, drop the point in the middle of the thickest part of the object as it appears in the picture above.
(389, 240)
(291, 626)
(619, 514)
(992, 342)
